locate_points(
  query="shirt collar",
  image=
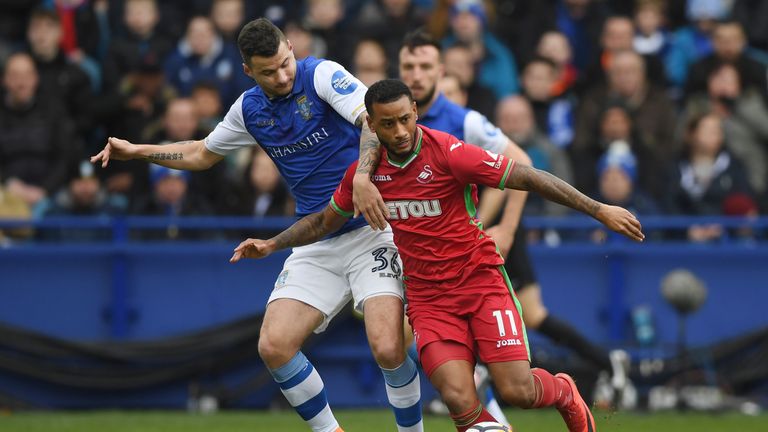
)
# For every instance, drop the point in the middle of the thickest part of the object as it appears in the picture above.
(437, 108)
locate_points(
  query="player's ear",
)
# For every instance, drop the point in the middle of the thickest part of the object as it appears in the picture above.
(369, 120)
(290, 45)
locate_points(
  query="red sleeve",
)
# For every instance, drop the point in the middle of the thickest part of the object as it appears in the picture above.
(472, 165)
(341, 201)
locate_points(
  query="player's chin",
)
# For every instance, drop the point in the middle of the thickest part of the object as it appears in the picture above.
(283, 90)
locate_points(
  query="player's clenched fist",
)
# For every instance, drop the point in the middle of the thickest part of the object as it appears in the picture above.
(620, 220)
(252, 248)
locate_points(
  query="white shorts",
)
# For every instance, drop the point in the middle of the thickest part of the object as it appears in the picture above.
(356, 265)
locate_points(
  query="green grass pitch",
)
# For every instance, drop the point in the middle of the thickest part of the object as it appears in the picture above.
(354, 421)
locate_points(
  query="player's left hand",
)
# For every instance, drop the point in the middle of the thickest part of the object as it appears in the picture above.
(368, 202)
(503, 238)
(620, 220)
(252, 248)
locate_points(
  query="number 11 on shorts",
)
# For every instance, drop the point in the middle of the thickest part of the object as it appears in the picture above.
(500, 322)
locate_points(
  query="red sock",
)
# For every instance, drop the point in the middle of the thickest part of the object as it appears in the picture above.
(550, 390)
(475, 415)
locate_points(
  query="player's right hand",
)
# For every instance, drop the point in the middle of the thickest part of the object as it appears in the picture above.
(620, 220)
(252, 248)
(117, 149)
(368, 202)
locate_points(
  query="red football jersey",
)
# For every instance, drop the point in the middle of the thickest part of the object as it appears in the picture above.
(432, 200)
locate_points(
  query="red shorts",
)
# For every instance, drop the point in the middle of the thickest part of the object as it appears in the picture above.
(483, 315)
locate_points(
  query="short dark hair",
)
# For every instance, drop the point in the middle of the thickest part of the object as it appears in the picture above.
(541, 59)
(385, 91)
(259, 38)
(420, 37)
(42, 13)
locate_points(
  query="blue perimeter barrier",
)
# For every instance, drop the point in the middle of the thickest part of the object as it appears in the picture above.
(122, 289)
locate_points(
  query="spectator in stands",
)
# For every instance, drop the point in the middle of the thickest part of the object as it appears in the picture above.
(228, 16)
(693, 42)
(265, 192)
(304, 43)
(651, 36)
(170, 197)
(744, 206)
(450, 86)
(753, 16)
(370, 61)
(515, 118)
(387, 21)
(87, 41)
(651, 112)
(80, 28)
(12, 207)
(202, 55)
(138, 102)
(744, 113)
(618, 36)
(554, 115)
(324, 20)
(181, 122)
(617, 172)
(581, 21)
(37, 138)
(13, 24)
(83, 195)
(208, 105)
(59, 77)
(495, 63)
(142, 40)
(617, 185)
(458, 62)
(438, 20)
(704, 176)
(617, 129)
(730, 43)
(554, 46)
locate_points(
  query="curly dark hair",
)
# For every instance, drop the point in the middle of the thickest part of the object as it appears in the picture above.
(384, 91)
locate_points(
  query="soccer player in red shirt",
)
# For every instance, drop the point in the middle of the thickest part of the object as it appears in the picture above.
(460, 302)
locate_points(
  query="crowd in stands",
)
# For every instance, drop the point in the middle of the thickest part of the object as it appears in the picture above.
(659, 106)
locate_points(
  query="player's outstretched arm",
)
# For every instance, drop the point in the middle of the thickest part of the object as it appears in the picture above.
(365, 197)
(184, 155)
(554, 189)
(306, 230)
(504, 232)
